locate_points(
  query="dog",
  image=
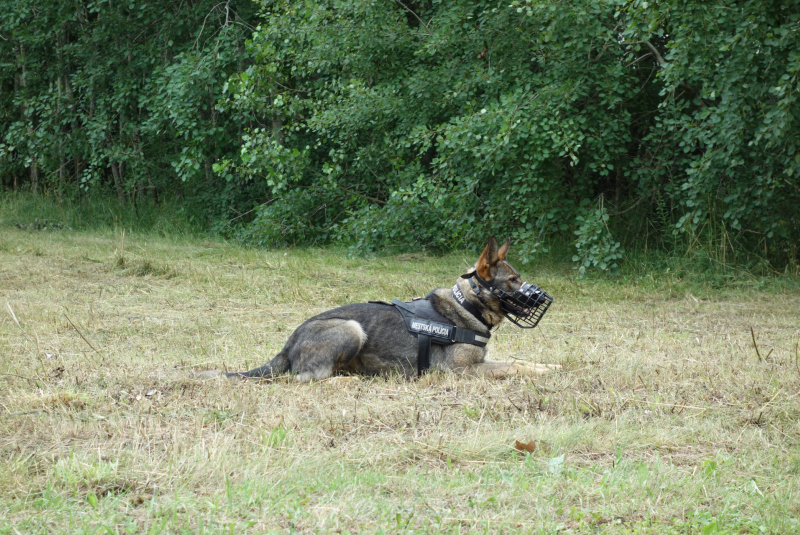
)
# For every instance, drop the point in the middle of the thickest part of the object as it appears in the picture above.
(447, 330)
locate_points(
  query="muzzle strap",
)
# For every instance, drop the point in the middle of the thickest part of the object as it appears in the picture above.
(473, 277)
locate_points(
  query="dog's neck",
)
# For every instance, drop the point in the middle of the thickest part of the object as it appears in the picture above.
(482, 312)
(469, 306)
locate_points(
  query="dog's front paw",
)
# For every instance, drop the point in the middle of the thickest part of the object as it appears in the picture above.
(499, 370)
(541, 369)
(534, 368)
(344, 380)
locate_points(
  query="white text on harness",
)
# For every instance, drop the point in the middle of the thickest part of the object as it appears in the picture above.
(431, 328)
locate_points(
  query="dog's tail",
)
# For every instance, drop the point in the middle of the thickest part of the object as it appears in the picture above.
(277, 366)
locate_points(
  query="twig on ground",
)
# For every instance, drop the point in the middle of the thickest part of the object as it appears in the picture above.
(797, 357)
(20, 376)
(482, 520)
(13, 316)
(755, 345)
(26, 335)
(24, 413)
(81, 334)
(666, 404)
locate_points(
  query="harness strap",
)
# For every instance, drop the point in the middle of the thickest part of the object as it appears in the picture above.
(423, 353)
(400, 304)
(430, 332)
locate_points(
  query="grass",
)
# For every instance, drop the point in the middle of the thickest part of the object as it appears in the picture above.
(665, 419)
(93, 212)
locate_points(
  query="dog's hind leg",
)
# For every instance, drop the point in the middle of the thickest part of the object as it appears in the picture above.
(324, 346)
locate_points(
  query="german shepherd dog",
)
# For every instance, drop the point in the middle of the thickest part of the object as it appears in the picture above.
(372, 338)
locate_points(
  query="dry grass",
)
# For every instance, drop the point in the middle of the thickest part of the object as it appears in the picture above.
(665, 419)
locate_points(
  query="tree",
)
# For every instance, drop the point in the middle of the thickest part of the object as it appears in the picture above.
(121, 95)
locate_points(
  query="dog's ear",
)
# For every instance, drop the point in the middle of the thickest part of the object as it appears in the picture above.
(501, 254)
(488, 259)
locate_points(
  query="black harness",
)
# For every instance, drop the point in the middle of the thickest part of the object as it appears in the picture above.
(430, 327)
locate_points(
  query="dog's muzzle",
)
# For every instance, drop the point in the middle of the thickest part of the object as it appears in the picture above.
(524, 308)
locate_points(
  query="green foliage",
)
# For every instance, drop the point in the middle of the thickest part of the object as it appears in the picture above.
(596, 247)
(433, 124)
(729, 75)
(389, 125)
(111, 96)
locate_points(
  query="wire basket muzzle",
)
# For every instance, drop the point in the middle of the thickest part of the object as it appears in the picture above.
(526, 306)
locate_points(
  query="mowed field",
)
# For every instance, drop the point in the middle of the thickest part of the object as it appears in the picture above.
(666, 416)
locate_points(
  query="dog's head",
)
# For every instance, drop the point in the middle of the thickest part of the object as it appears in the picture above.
(493, 267)
(505, 291)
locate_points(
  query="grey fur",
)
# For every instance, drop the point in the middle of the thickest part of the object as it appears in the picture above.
(371, 338)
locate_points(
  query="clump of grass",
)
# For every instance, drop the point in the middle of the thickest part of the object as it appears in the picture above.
(141, 267)
(145, 268)
(64, 399)
(148, 268)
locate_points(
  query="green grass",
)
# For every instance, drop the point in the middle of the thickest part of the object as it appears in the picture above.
(95, 213)
(665, 418)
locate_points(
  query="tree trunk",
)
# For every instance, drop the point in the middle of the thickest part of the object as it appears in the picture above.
(153, 192)
(74, 125)
(78, 168)
(34, 175)
(117, 181)
(119, 174)
(277, 129)
(208, 172)
(62, 161)
(23, 82)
